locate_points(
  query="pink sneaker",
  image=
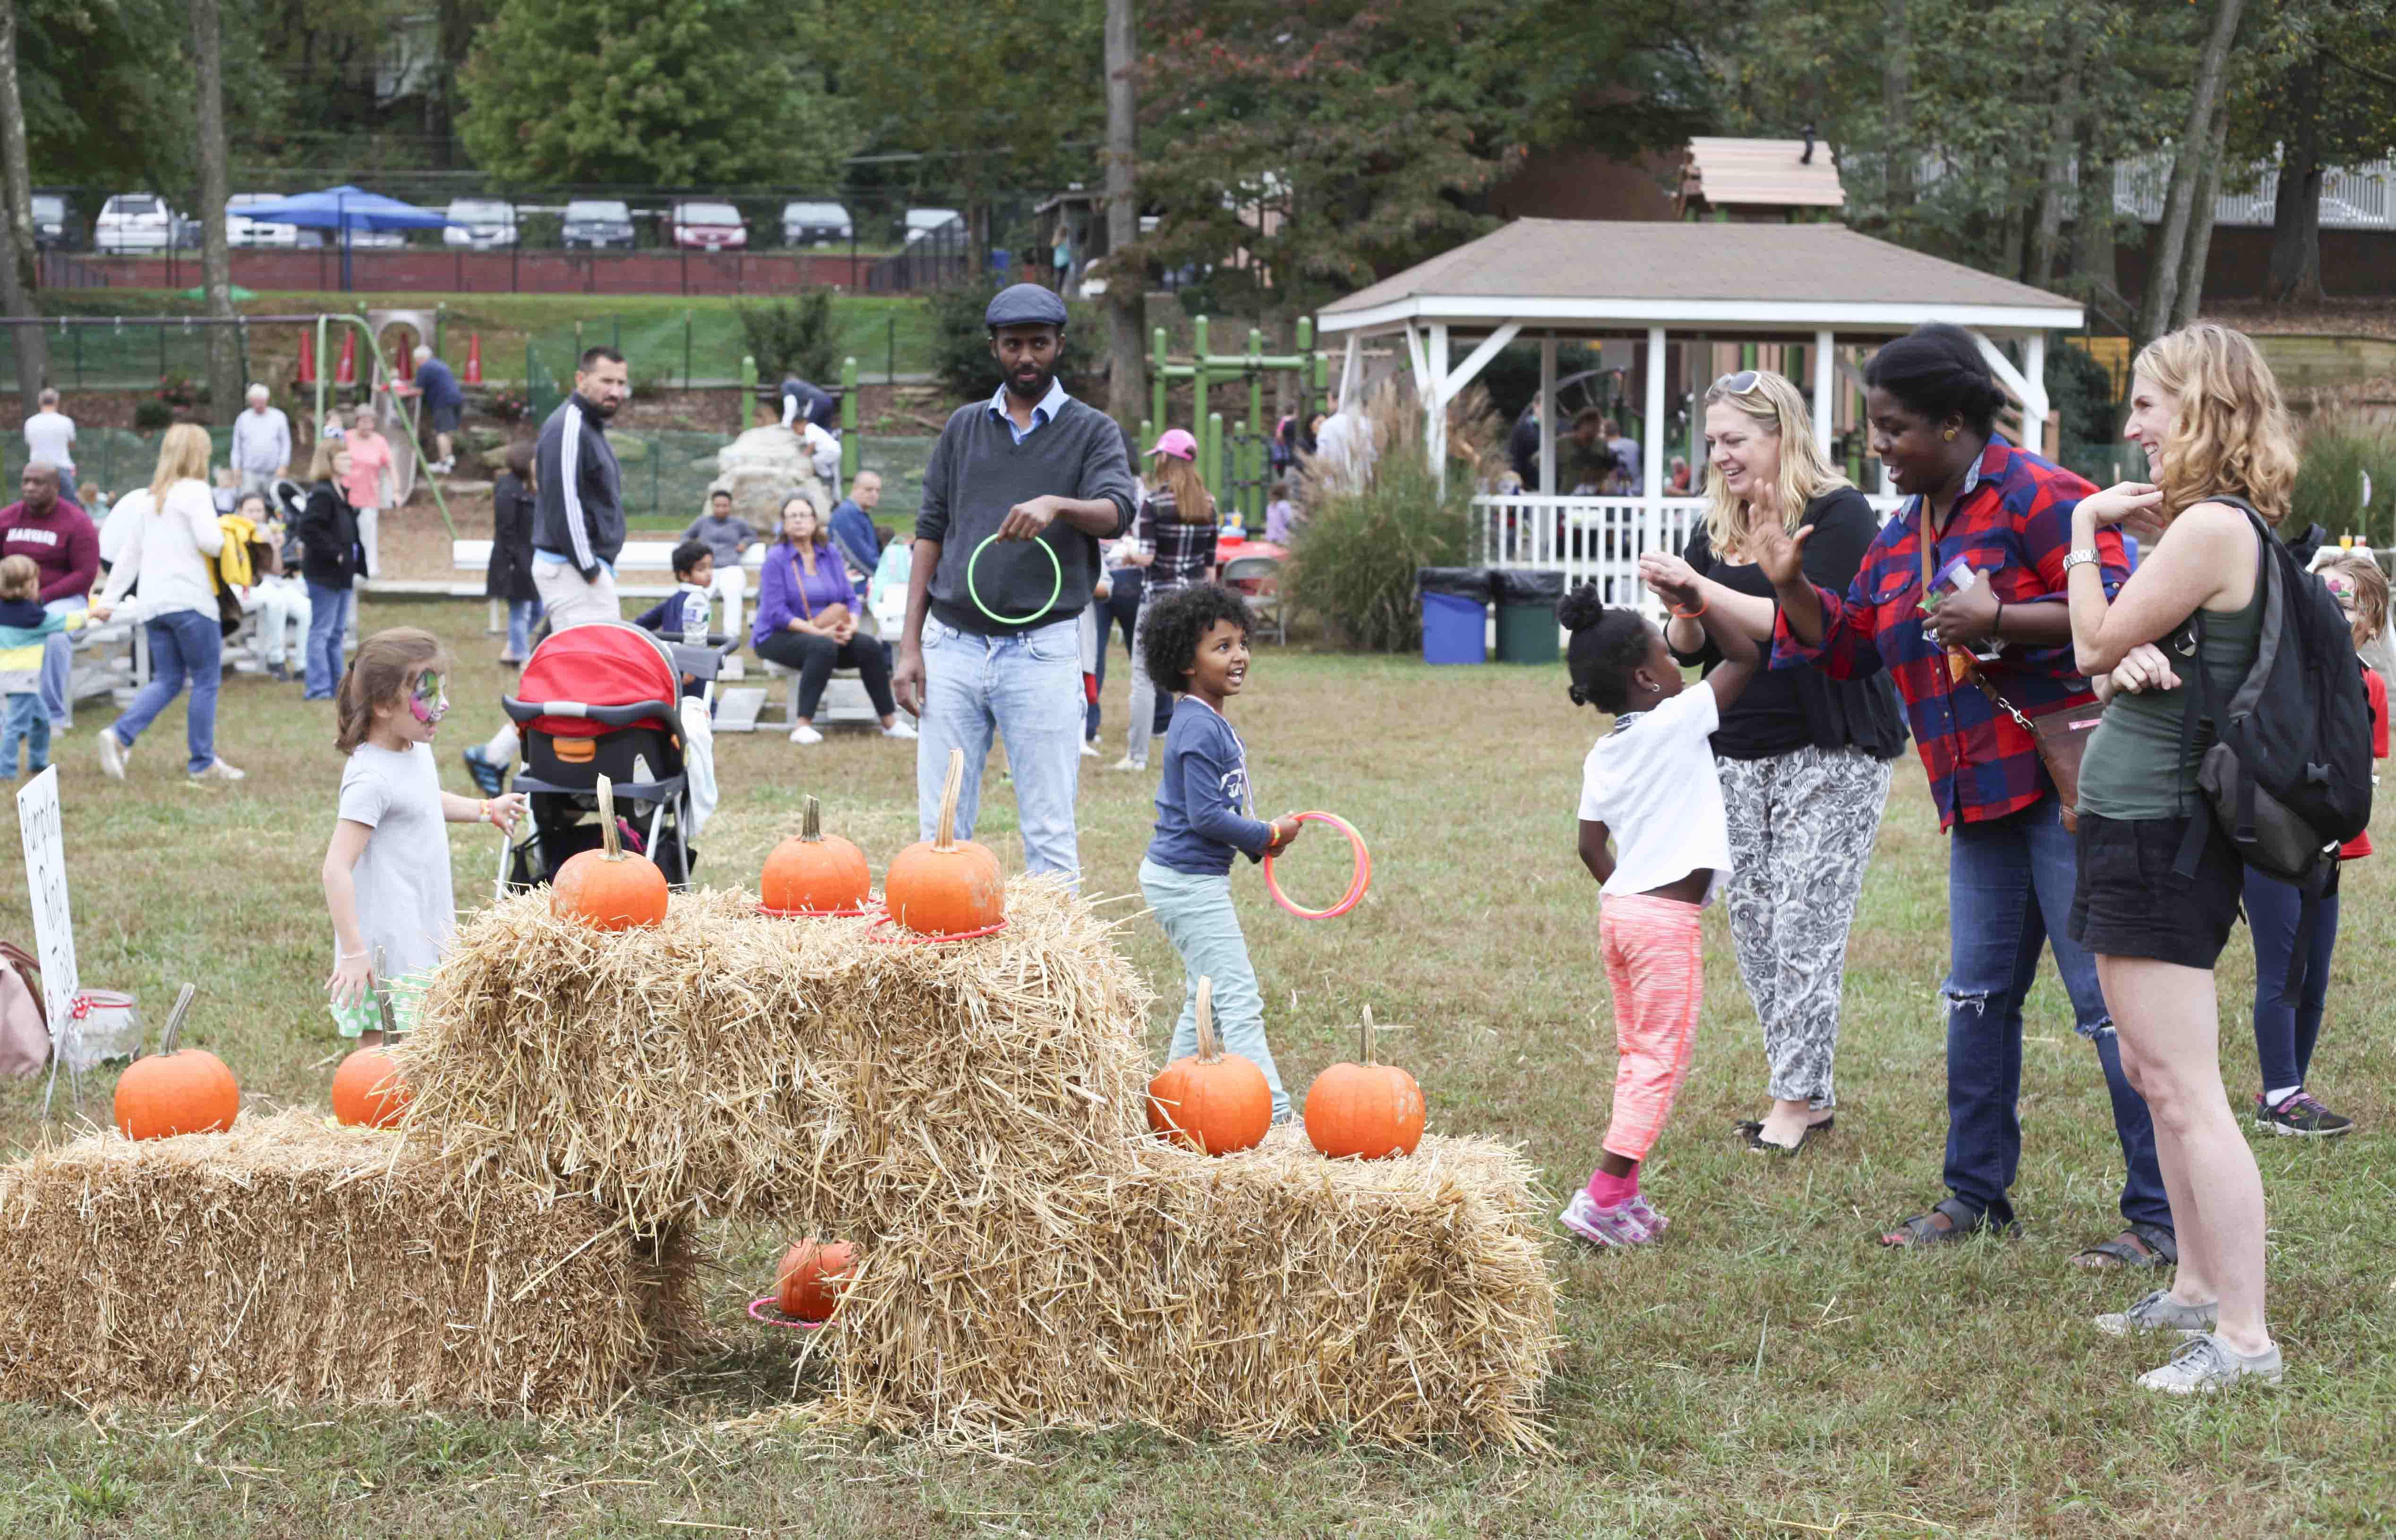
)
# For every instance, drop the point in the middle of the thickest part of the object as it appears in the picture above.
(1605, 1227)
(1644, 1211)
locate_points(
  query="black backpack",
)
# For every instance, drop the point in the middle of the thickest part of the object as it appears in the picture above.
(2288, 776)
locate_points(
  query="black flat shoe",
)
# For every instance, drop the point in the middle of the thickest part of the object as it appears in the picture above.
(1752, 1131)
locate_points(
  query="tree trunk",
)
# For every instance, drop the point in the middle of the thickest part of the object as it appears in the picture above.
(2199, 242)
(18, 274)
(2294, 277)
(1126, 281)
(2187, 166)
(2055, 186)
(1897, 105)
(215, 262)
(2093, 244)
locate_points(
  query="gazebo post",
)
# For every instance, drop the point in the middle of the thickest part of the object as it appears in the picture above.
(1824, 371)
(1651, 446)
(1435, 431)
(1548, 415)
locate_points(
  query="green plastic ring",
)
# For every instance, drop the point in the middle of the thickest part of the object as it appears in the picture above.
(1054, 565)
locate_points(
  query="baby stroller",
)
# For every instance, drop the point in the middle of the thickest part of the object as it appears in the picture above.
(600, 699)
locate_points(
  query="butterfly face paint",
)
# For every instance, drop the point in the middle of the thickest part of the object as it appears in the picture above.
(431, 700)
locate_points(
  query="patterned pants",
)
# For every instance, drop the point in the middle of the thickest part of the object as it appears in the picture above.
(1655, 966)
(1801, 835)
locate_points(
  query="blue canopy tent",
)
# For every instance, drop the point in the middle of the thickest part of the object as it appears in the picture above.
(345, 208)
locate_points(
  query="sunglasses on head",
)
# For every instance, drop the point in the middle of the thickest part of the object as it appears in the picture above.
(1742, 383)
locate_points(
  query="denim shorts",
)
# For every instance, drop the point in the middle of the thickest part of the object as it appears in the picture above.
(2129, 903)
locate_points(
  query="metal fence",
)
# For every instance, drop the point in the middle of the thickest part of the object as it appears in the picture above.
(2354, 198)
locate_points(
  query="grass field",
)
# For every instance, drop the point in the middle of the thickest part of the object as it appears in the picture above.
(1767, 1371)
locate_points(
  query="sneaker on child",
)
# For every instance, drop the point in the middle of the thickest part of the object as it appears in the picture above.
(805, 734)
(2300, 1116)
(489, 780)
(1605, 1227)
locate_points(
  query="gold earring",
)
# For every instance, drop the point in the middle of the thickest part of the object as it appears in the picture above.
(1949, 435)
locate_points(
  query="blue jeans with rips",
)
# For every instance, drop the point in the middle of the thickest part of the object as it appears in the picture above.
(1026, 689)
(2009, 887)
(185, 647)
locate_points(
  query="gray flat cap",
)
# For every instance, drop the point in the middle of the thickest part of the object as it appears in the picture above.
(1025, 305)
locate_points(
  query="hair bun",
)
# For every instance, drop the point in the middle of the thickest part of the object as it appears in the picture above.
(1580, 608)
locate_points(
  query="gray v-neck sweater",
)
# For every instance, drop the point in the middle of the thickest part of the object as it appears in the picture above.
(977, 471)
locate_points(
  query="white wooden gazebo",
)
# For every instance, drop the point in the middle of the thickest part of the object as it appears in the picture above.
(1694, 285)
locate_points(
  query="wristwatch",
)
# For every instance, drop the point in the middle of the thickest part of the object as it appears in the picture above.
(2078, 558)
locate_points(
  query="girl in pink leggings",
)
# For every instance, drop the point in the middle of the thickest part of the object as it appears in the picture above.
(1649, 786)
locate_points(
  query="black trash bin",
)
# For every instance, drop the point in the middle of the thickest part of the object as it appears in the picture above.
(1455, 614)
(1526, 613)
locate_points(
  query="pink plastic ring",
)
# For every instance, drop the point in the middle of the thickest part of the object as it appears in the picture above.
(1357, 884)
(769, 1312)
(888, 919)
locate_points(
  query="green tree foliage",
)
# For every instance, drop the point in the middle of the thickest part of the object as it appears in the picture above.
(1303, 152)
(961, 355)
(700, 93)
(108, 91)
(790, 337)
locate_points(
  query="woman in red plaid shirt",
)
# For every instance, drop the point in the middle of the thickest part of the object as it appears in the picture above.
(1991, 649)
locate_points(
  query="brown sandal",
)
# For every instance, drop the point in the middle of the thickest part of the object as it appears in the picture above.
(1963, 1222)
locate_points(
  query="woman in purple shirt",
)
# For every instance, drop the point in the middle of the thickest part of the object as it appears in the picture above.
(806, 619)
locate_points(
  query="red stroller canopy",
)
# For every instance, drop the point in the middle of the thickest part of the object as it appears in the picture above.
(591, 679)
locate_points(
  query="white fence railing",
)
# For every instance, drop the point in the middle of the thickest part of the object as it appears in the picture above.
(1591, 539)
(2354, 198)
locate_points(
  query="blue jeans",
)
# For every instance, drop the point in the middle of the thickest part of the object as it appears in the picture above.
(328, 619)
(1026, 689)
(2286, 1030)
(2009, 886)
(523, 614)
(1195, 909)
(58, 665)
(1121, 607)
(29, 720)
(185, 647)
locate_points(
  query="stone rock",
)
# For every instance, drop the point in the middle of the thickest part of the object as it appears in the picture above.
(761, 469)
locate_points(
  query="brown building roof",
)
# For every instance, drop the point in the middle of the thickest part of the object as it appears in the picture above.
(1584, 265)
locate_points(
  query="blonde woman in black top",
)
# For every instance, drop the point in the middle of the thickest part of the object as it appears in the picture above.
(1804, 760)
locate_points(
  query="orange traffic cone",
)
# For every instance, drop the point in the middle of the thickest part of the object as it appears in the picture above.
(473, 358)
(307, 374)
(346, 371)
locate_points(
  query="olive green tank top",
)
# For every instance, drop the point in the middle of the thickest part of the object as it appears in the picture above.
(2135, 767)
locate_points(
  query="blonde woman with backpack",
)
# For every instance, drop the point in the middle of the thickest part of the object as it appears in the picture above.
(1175, 548)
(174, 542)
(2160, 879)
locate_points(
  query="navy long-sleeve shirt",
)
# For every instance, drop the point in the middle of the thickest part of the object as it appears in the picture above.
(1201, 797)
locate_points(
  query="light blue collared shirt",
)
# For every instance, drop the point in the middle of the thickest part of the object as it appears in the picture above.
(1051, 404)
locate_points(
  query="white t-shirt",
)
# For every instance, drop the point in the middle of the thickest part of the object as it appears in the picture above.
(1651, 782)
(49, 436)
(405, 903)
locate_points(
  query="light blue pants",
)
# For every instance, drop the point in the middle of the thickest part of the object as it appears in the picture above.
(523, 616)
(1027, 690)
(1196, 913)
(58, 666)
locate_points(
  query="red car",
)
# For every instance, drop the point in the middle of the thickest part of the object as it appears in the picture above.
(709, 227)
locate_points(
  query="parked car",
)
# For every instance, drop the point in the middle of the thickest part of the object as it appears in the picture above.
(597, 223)
(709, 227)
(481, 223)
(52, 225)
(925, 222)
(243, 231)
(137, 221)
(816, 224)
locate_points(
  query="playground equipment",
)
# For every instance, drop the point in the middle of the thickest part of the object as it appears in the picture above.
(1234, 467)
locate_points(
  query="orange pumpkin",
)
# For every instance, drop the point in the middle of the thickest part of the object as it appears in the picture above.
(607, 889)
(1368, 1111)
(812, 1275)
(169, 1093)
(368, 1091)
(1212, 1102)
(815, 873)
(944, 885)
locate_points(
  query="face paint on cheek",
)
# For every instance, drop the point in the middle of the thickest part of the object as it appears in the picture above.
(429, 702)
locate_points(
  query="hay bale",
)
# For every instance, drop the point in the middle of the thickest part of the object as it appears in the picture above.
(730, 1064)
(295, 1262)
(1254, 1296)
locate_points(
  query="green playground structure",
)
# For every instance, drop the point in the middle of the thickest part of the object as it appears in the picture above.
(1234, 465)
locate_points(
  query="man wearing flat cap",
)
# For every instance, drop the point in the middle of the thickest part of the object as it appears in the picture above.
(1019, 491)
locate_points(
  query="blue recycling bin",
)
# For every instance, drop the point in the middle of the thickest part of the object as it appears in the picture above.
(1455, 614)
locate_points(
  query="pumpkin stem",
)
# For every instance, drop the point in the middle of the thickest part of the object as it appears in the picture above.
(1366, 1034)
(608, 819)
(175, 1018)
(811, 831)
(1209, 1051)
(945, 837)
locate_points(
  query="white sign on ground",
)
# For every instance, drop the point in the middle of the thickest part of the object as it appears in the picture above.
(45, 879)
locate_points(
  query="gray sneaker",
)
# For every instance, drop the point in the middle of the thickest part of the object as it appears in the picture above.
(217, 770)
(112, 754)
(2159, 1312)
(2206, 1363)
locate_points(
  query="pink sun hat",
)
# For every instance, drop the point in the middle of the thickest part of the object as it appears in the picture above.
(1177, 443)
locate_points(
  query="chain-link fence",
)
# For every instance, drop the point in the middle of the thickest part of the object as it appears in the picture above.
(170, 359)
